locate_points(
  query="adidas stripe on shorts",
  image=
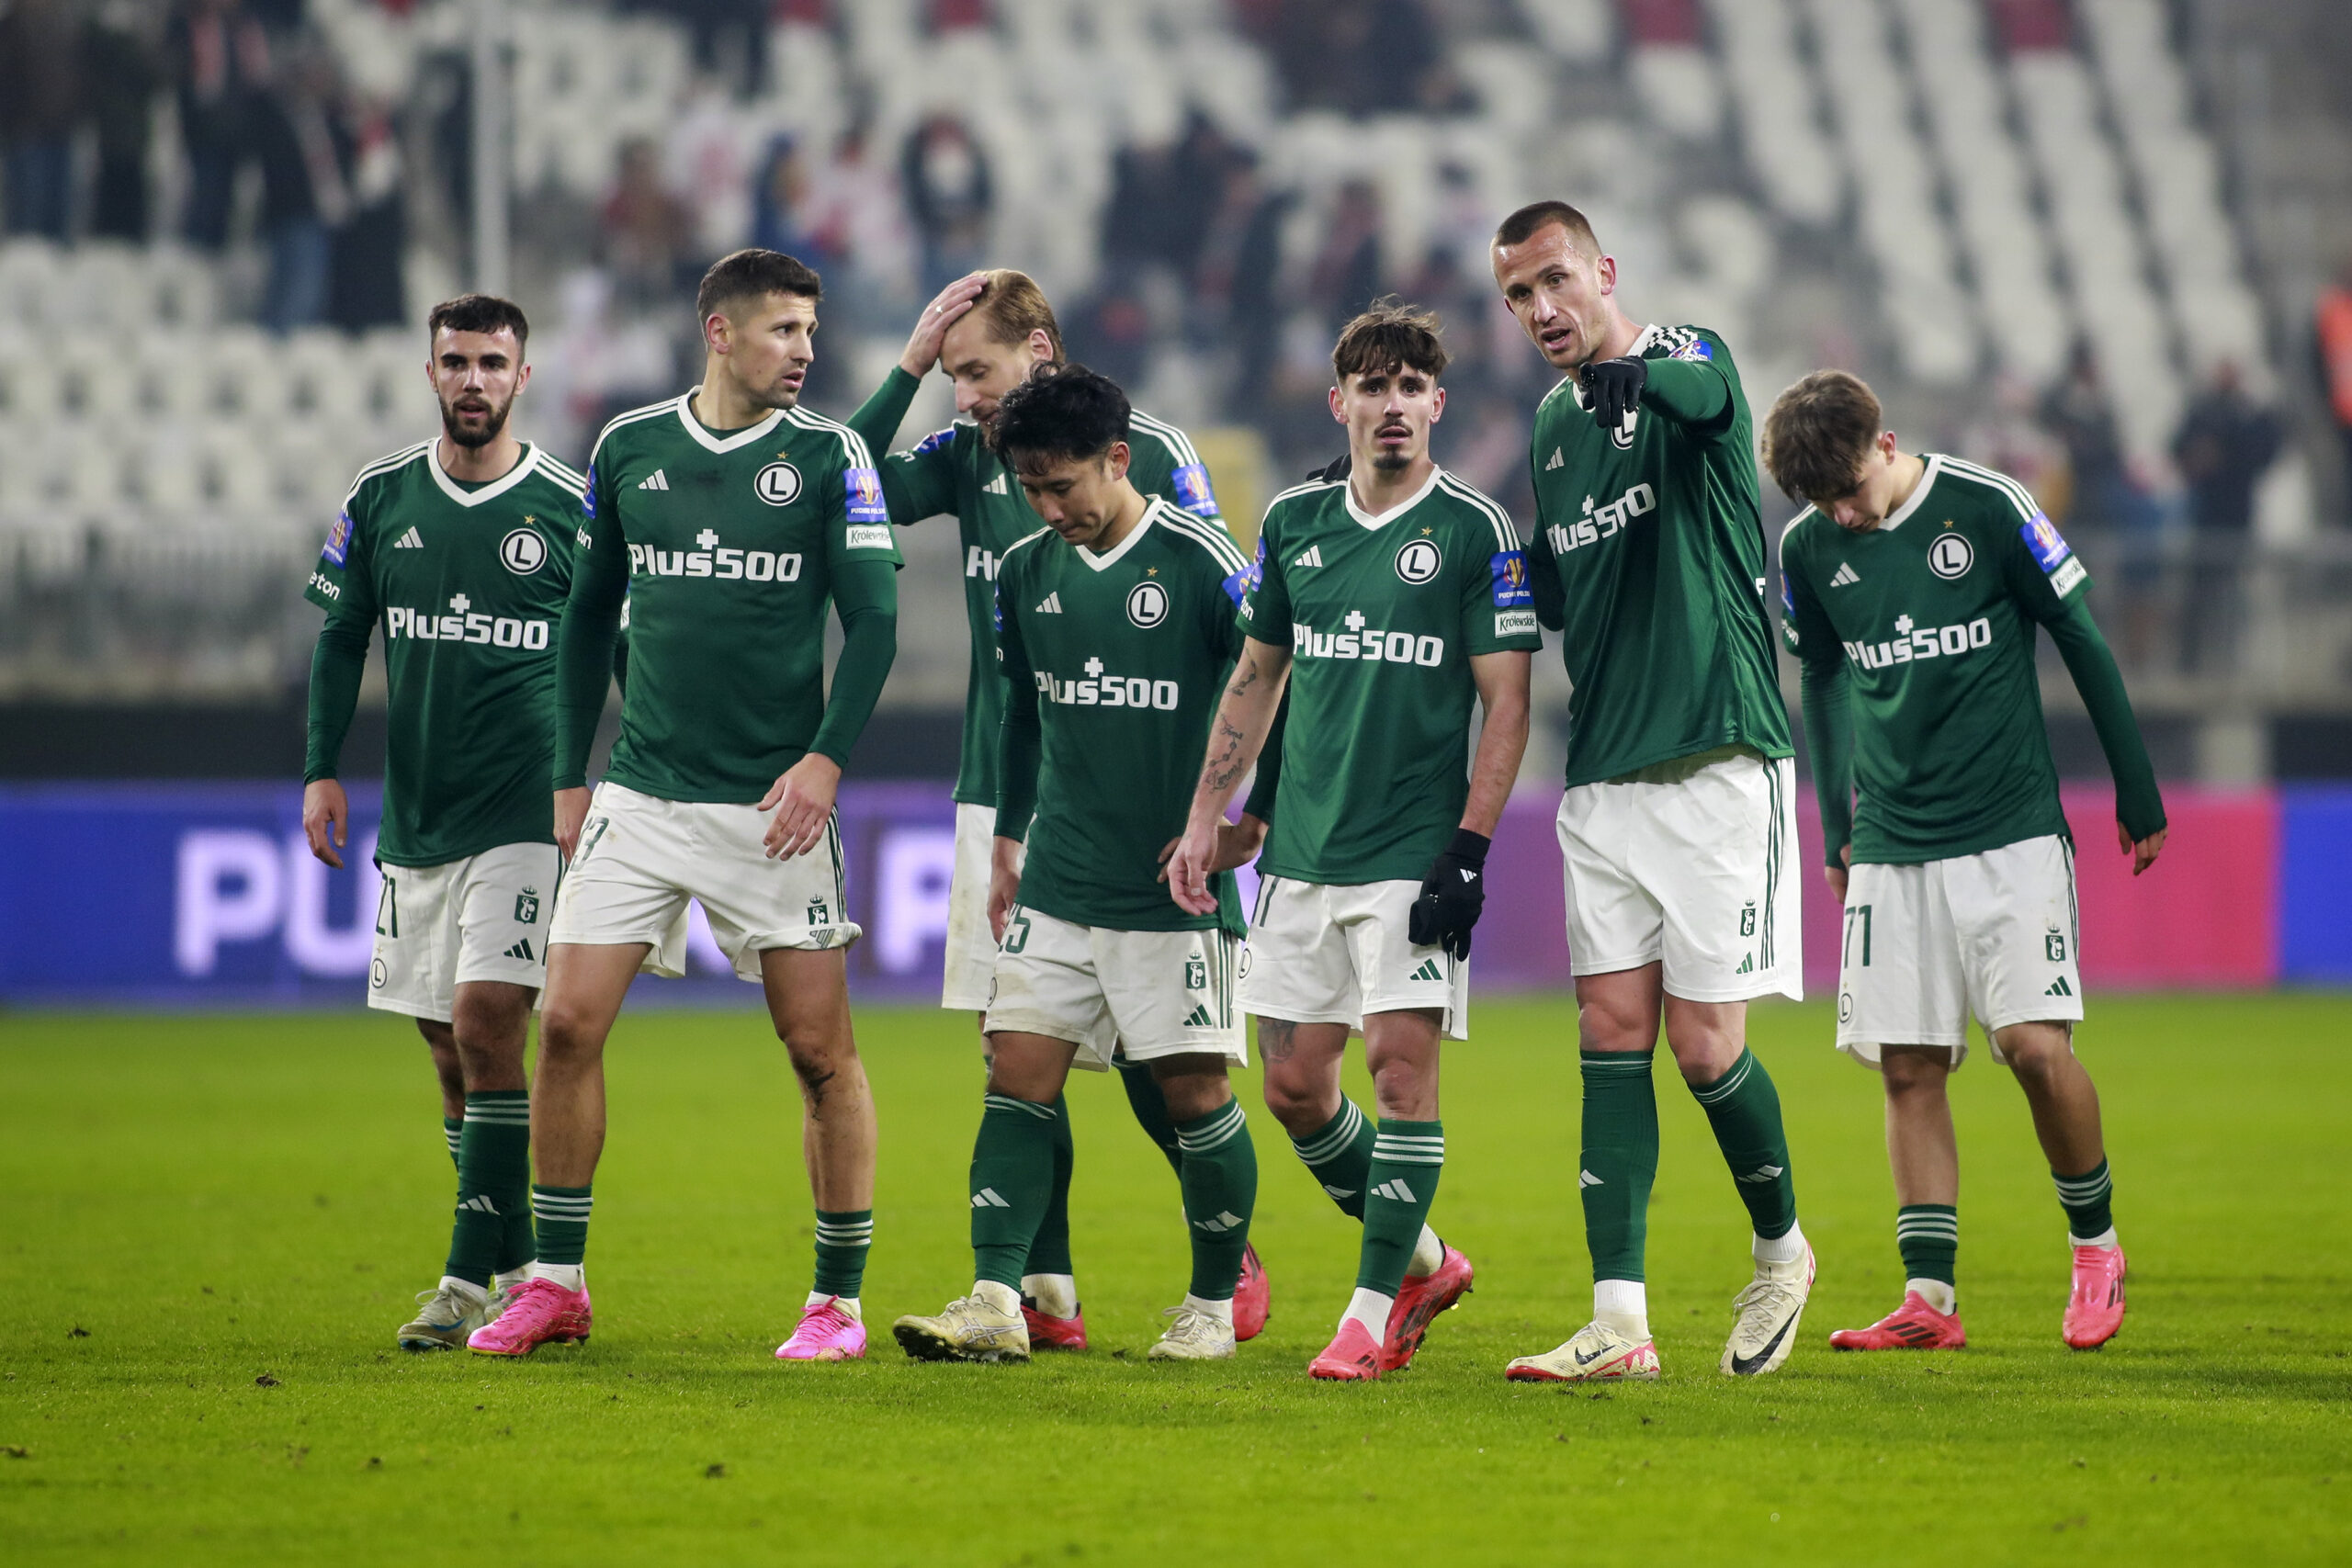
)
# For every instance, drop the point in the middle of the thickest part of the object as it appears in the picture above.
(1141, 994)
(1923, 947)
(1330, 955)
(438, 926)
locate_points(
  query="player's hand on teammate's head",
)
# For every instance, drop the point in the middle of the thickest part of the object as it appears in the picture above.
(946, 308)
(802, 799)
(1614, 388)
(326, 819)
(2143, 852)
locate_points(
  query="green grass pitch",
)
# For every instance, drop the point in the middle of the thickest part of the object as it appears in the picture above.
(214, 1224)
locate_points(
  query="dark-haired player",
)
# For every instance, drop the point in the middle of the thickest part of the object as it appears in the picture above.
(460, 549)
(1678, 825)
(1913, 585)
(1117, 628)
(1387, 601)
(731, 518)
(991, 331)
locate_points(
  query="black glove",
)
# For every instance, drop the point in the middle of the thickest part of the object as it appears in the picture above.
(1452, 896)
(1614, 388)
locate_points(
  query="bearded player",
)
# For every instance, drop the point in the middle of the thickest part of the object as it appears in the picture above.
(460, 548)
(733, 520)
(992, 332)
(1913, 587)
(1677, 827)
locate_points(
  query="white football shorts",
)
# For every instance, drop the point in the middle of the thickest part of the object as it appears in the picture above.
(640, 858)
(439, 926)
(1695, 872)
(1134, 994)
(1924, 946)
(971, 949)
(1330, 955)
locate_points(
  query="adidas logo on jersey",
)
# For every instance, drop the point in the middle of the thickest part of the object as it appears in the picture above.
(2059, 987)
(657, 480)
(996, 487)
(1395, 1191)
(1556, 461)
(522, 950)
(1052, 603)
(412, 540)
(1200, 1018)
(1846, 577)
(1428, 971)
(1312, 556)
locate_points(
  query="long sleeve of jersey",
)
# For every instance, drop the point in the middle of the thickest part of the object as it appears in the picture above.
(336, 666)
(1687, 391)
(1020, 740)
(878, 419)
(1827, 698)
(583, 655)
(865, 595)
(2139, 805)
(921, 481)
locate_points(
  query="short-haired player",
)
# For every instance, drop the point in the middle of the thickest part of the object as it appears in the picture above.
(460, 550)
(733, 520)
(1676, 823)
(1913, 585)
(1117, 631)
(1387, 602)
(990, 332)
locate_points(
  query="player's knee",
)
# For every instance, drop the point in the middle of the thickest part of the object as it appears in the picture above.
(1910, 1073)
(566, 1036)
(1604, 1027)
(2036, 1051)
(1296, 1103)
(817, 1056)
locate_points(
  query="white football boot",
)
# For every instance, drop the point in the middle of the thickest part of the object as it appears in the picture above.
(969, 1328)
(1768, 1310)
(1595, 1353)
(445, 1317)
(1194, 1336)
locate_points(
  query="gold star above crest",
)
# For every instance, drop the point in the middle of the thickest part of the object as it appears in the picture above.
(1426, 532)
(1946, 522)
(528, 518)
(1152, 571)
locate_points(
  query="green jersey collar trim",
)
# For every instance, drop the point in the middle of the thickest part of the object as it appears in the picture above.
(1374, 523)
(701, 432)
(1895, 519)
(491, 492)
(1105, 562)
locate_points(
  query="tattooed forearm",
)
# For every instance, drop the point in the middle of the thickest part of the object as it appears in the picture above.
(1245, 675)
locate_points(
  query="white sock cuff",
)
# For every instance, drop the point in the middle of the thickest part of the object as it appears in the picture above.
(1782, 1249)
(1005, 1297)
(2104, 1238)
(1371, 1309)
(465, 1288)
(1221, 1311)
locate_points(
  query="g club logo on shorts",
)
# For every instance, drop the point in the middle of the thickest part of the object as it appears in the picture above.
(1951, 555)
(778, 484)
(523, 552)
(1148, 604)
(1418, 561)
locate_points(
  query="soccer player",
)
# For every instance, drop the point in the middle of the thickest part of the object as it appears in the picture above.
(461, 548)
(731, 518)
(1913, 586)
(1117, 631)
(1385, 602)
(1678, 823)
(992, 332)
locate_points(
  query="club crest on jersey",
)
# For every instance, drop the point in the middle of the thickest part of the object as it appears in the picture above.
(864, 489)
(1419, 561)
(1146, 604)
(523, 552)
(778, 484)
(1622, 438)
(1951, 555)
(338, 539)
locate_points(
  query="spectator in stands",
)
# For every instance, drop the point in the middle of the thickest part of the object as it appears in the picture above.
(121, 73)
(304, 197)
(2332, 343)
(2224, 443)
(857, 230)
(2101, 494)
(1236, 277)
(644, 227)
(365, 283)
(948, 193)
(779, 196)
(1346, 268)
(221, 62)
(41, 106)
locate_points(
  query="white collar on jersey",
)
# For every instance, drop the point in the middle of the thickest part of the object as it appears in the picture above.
(491, 492)
(701, 432)
(1348, 489)
(1918, 495)
(1110, 558)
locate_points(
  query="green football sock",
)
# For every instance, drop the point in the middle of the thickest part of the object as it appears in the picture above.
(1049, 1248)
(1405, 1160)
(1012, 1177)
(1928, 1234)
(1220, 1177)
(843, 1237)
(1619, 1160)
(1745, 1110)
(493, 1185)
(2087, 1199)
(453, 1131)
(1151, 1113)
(1339, 1156)
(561, 1213)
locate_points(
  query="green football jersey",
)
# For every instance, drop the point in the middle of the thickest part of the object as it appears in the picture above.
(1649, 555)
(1934, 613)
(953, 471)
(1381, 616)
(467, 584)
(1123, 658)
(729, 545)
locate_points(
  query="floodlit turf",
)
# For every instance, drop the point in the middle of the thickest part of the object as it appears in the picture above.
(213, 1225)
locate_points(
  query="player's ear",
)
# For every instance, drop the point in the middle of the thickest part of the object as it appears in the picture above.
(1605, 270)
(717, 332)
(1041, 348)
(523, 377)
(1437, 406)
(1117, 459)
(1339, 409)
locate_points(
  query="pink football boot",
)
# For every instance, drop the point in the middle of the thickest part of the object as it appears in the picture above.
(540, 1312)
(1914, 1325)
(826, 1334)
(1253, 1298)
(1419, 1301)
(2095, 1308)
